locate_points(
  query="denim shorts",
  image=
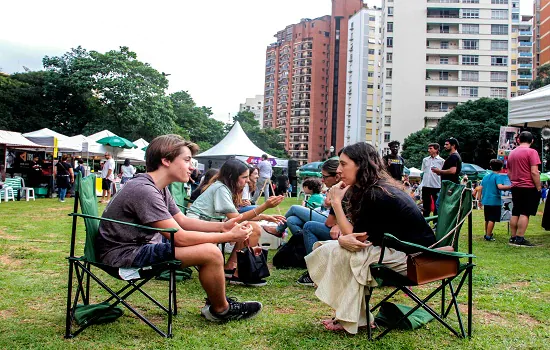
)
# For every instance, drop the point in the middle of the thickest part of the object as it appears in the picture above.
(151, 254)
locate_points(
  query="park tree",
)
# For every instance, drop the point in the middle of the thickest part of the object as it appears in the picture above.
(476, 125)
(543, 77)
(415, 147)
(130, 94)
(195, 123)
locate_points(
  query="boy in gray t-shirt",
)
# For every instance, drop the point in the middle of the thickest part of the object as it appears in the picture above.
(146, 201)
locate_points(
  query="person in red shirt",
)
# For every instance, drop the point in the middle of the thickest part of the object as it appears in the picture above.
(523, 172)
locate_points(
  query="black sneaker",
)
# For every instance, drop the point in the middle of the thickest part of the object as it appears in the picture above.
(489, 238)
(522, 242)
(239, 282)
(305, 280)
(236, 311)
(512, 240)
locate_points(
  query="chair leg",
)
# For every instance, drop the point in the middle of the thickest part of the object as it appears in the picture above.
(443, 289)
(68, 315)
(367, 302)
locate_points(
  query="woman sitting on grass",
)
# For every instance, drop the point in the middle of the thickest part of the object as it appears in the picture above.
(367, 203)
(221, 197)
(298, 215)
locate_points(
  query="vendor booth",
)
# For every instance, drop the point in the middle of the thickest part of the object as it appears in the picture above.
(530, 110)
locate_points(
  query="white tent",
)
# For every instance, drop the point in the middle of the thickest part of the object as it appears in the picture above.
(532, 109)
(93, 148)
(236, 144)
(134, 154)
(414, 172)
(14, 139)
(46, 136)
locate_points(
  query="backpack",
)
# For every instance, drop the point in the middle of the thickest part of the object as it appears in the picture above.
(291, 255)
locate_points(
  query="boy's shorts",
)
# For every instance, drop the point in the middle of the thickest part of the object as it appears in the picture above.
(151, 254)
(492, 213)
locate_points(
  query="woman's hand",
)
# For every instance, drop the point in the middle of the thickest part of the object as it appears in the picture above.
(240, 232)
(352, 243)
(335, 232)
(278, 219)
(337, 192)
(274, 201)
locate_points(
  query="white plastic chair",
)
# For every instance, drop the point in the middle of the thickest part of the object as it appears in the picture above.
(7, 190)
(27, 191)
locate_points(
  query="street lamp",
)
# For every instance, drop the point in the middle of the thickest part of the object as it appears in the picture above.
(331, 149)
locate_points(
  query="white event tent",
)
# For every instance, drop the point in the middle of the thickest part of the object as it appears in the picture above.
(14, 139)
(531, 109)
(45, 137)
(236, 144)
(414, 172)
(91, 147)
(136, 155)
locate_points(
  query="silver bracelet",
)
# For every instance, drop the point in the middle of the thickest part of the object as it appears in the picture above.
(254, 210)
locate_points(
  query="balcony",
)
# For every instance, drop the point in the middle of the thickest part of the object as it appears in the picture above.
(525, 65)
(525, 77)
(525, 33)
(443, 2)
(525, 54)
(525, 44)
(523, 87)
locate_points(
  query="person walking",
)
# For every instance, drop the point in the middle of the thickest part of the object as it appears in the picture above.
(431, 182)
(523, 171)
(107, 177)
(264, 182)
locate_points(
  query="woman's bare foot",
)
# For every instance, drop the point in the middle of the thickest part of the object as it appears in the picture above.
(272, 230)
(335, 326)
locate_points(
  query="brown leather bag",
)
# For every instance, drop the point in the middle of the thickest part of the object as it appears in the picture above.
(425, 268)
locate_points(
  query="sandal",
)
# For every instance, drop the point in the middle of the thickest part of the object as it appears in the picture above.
(335, 326)
(272, 230)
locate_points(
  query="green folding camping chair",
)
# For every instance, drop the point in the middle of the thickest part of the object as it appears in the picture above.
(454, 209)
(80, 272)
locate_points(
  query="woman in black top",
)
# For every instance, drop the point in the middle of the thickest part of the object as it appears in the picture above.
(367, 203)
(64, 176)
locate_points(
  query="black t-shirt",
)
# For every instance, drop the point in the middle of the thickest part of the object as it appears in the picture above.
(282, 181)
(453, 160)
(392, 212)
(63, 168)
(395, 165)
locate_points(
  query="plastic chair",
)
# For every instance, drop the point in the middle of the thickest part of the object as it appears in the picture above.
(455, 208)
(28, 192)
(7, 193)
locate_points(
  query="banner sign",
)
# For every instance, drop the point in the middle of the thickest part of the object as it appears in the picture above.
(506, 143)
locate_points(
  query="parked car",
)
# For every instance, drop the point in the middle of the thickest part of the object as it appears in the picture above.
(474, 172)
(310, 170)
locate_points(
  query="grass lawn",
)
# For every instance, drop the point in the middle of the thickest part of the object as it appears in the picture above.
(511, 298)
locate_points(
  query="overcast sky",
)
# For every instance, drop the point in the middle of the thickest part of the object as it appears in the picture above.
(215, 49)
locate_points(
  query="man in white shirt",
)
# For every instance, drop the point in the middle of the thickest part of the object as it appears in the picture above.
(265, 172)
(107, 177)
(431, 182)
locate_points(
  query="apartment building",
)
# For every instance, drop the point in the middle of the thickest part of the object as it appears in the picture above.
(256, 106)
(521, 60)
(541, 34)
(441, 53)
(363, 76)
(296, 87)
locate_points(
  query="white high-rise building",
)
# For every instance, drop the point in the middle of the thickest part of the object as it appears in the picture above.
(363, 77)
(439, 53)
(256, 106)
(522, 54)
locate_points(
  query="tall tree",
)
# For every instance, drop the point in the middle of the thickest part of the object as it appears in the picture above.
(543, 77)
(131, 94)
(415, 147)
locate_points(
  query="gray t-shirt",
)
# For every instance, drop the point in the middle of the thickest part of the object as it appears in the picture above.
(215, 201)
(139, 202)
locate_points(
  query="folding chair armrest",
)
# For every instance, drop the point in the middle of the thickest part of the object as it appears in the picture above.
(390, 238)
(171, 230)
(432, 218)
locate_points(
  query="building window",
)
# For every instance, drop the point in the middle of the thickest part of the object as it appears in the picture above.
(470, 44)
(470, 76)
(444, 45)
(389, 73)
(443, 60)
(443, 91)
(499, 45)
(499, 2)
(444, 28)
(470, 60)
(443, 75)
(387, 121)
(499, 76)
(389, 57)
(469, 1)
(470, 13)
(513, 62)
(470, 91)
(372, 18)
(499, 61)
(387, 137)
(371, 51)
(513, 83)
(499, 14)
(389, 42)
(390, 27)
(390, 11)
(470, 29)
(370, 74)
(498, 92)
(499, 29)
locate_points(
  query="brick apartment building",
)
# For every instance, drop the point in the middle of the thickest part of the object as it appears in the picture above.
(541, 34)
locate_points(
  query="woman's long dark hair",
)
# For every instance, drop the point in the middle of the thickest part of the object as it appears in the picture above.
(371, 175)
(229, 175)
(252, 185)
(206, 180)
(126, 162)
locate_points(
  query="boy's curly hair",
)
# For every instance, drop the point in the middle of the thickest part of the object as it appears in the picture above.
(314, 185)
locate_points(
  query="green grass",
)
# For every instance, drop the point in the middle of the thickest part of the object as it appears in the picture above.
(511, 298)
